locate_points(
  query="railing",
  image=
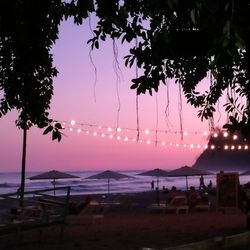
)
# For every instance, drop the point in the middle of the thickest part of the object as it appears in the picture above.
(38, 208)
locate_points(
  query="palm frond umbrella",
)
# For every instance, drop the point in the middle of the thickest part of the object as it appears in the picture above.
(157, 172)
(53, 175)
(186, 171)
(108, 174)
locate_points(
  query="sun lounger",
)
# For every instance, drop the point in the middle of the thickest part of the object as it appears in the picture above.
(202, 205)
(178, 204)
(157, 207)
(90, 214)
(34, 212)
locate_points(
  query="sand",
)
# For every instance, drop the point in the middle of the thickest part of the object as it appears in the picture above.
(134, 227)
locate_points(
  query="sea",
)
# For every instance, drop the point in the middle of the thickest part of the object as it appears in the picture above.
(10, 182)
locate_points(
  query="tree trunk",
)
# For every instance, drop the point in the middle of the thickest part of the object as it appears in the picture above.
(22, 186)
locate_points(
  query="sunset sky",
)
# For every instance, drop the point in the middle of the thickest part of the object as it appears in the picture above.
(89, 98)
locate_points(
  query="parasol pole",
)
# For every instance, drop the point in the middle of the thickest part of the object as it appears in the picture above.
(186, 182)
(54, 183)
(157, 191)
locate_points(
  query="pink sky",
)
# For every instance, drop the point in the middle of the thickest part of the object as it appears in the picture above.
(74, 99)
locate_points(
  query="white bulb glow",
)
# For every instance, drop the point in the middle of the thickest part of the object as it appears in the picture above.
(225, 134)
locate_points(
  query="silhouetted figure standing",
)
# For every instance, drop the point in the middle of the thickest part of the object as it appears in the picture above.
(152, 185)
(202, 185)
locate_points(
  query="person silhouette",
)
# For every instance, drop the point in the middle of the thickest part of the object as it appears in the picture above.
(152, 185)
(202, 185)
(210, 185)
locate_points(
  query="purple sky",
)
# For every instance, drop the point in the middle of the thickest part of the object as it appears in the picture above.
(78, 97)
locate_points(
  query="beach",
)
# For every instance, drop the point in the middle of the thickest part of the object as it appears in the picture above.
(133, 227)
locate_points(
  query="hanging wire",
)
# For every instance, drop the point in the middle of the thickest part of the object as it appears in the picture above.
(211, 119)
(167, 112)
(118, 71)
(180, 111)
(137, 99)
(157, 119)
(91, 59)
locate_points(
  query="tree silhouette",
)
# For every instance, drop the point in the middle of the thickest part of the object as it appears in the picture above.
(178, 39)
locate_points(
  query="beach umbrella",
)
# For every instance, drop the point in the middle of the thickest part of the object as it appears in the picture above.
(186, 171)
(109, 175)
(157, 172)
(53, 175)
(246, 173)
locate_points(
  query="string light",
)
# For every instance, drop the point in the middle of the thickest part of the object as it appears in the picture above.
(159, 142)
(225, 134)
(73, 122)
(235, 137)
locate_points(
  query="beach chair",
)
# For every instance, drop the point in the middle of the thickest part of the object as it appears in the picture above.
(202, 204)
(90, 214)
(161, 207)
(178, 204)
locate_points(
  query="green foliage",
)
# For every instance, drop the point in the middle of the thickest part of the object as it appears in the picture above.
(176, 39)
(186, 41)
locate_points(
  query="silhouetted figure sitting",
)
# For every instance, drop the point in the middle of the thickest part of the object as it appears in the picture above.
(192, 197)
(171, 194)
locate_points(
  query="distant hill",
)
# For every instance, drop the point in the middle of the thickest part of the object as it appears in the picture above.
(228, 154)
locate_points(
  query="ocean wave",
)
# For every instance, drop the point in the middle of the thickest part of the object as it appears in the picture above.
(8, 185)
